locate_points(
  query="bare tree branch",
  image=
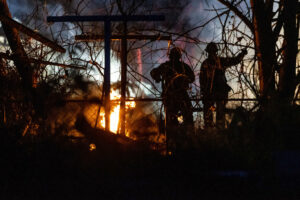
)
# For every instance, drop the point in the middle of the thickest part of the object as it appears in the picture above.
(234, 9)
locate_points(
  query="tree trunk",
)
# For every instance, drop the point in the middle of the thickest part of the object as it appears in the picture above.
(264, 48)
(287, 84)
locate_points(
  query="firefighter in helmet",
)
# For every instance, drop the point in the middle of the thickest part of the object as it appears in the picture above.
(213, 84)
(175, 76)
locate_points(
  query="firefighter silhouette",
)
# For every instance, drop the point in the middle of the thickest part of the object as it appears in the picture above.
(175, 77)
(213, 84)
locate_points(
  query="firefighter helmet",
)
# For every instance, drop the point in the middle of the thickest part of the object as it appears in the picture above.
(175, 53)
(211, 48)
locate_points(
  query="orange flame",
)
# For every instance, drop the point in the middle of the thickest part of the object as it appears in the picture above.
(115, 112)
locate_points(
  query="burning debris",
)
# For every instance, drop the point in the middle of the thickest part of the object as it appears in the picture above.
(92, 147)
(115, 113)
(140, 125)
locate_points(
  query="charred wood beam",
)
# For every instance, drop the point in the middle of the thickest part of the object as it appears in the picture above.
(20, 57)
(20, 27)
(100, 136)
(119, 37)
(115, 144)
(36, 61)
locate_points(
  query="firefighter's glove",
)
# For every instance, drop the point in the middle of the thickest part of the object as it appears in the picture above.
(155, 75)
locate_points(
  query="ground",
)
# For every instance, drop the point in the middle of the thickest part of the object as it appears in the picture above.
(54, 169)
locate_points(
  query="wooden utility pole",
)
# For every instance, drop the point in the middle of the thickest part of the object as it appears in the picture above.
(107, 37)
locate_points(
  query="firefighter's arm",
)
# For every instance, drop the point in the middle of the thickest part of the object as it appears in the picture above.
(156, 74)
(227, 62)
(189, 73)
(202, 78)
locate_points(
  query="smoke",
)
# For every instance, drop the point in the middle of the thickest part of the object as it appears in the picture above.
(181, 16)
(178, 12)
(22, 8)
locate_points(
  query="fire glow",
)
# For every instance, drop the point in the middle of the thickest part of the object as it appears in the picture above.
(115, 112)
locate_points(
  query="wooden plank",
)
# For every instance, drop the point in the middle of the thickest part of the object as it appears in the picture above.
(32, 60)
(20, 56)
(20, 27)
(119, 37)
(36, 61)
(93, 18)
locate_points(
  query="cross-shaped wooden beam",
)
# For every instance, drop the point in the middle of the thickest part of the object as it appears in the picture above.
(107, 19)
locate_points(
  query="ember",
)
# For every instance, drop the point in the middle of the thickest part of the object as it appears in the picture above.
(92, 147)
